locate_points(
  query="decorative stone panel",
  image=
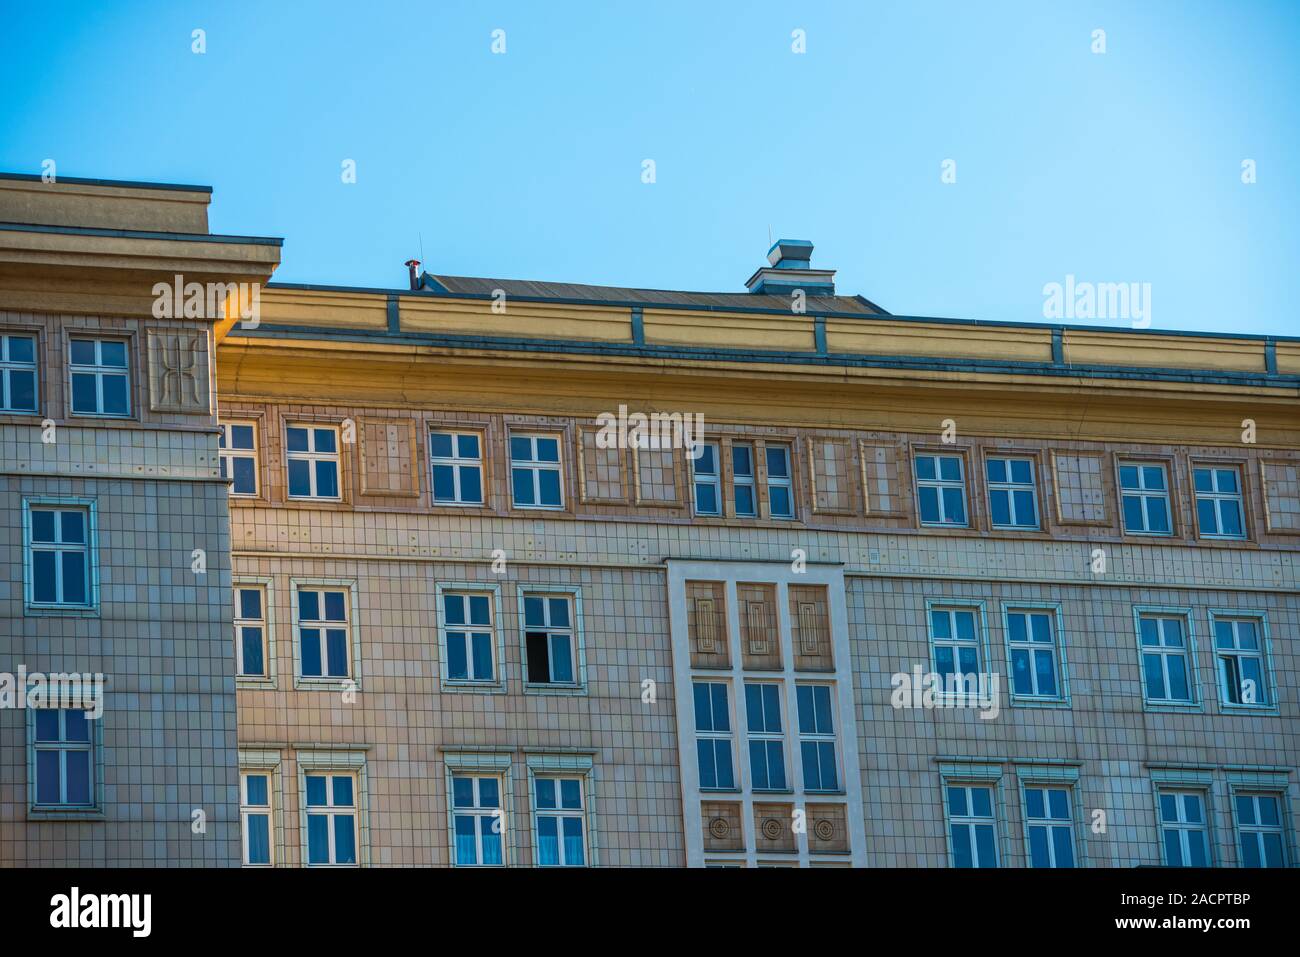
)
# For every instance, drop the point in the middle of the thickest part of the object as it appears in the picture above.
(723, 829)
(178, 371)
(774, 829)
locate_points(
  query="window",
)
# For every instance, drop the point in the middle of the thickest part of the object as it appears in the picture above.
(1219, 512)
(955, 645)
(817, 738)
(59, 557)
(742, 479)
(1239, 654)
(713, 736)
(1165, 673)
(780, 490)
(64, 760)
(1013, 500)
(535, 480)
(255, 816)
(331, 819)
(1049, 826)
(457, 464)
(708, 488)
(478, 820)
(972, 825)
(766, 740)
(323, 633)
(548, 639)
(1031, 637)
(101, 380)
(313, 455)
(238, 443)
(561, 819)
(1259, 829)
(469, 636)
(250, 631)
(1183, 829)
(1144, 494)
(941, 489)
(17, 373)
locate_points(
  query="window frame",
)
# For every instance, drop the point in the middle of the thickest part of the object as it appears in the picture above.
(312, 457)
(768, 737)
(983, 657)
(961, 482)
(1265, 654)
(535, 466)
(820, 738)
(351, 681)
(8, 366)
(1053, 610)
(1281, 794)
(1179, 789)
(574, 594)
(749, 480)
(1009, 487)
(335, 762)
(265, 585)
(61, 503)
(246, 809)
(715, 736)
(478, 812)
(1143, 493)
(973, 776)
(713, 480)
(1214, 467)
(493, 590)
(94, 746)
(1070, 787)
(226, 454)
(583, 814)
(1196, 701)
(456, 462)
(786, 481)
(99, 370)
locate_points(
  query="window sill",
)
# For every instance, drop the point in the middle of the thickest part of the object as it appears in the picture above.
(720, 790)
(65, 814)
(66, 611)
(472, 687)
(1034, 702)
(326, 684)
(1171, 707)
(1227, 707)
(812, 793)
(250, 683)
(772, 790)
(554, 689)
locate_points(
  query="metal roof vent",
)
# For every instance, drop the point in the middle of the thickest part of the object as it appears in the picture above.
(790, 269)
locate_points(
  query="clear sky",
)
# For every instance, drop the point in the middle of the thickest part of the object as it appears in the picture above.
(1122, 166)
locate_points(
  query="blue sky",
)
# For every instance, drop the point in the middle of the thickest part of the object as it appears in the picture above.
(1115, 167)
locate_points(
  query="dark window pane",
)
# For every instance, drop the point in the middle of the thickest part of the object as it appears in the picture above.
(84, 395)
(326, 440)
(42, 525)
(549, 482)
(296, 439)
(471, 484)
(299, 478)
(74, 578)
(22, 349)
(440, 444)
(467, 446)
(309, 639)
(522, 486)
(115, 397)
(539, 667)
(327, 479)
(113, 354)
(245, 476)
(22, 390)
(44, 589)
(83, 352)
(241, 437)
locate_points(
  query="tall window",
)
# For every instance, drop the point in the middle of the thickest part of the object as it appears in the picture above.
(331, 819)
(1219, 512)
(1031, 635)
(972, 825)
(17, 373)
(250, 631)
(65, 759)
(313, 455)
(238, 444)
(1049, 826)
(780, 487)
(1013, 501)
(1259, 830)
(457, 463)
(323, 633)
(561, 821)
(708, 486)
(766, 738)
(941, 489)
(1239, 652)
(478, 820)
(535, 480)
(549, 641)
(956, 647)
(817, 738)
(1183, 829)
(101, 379)
(713, 736)
(255, 816)
(1166, 674)
(742, 479)
(468, 619)
(1144, 493)
(59, 557)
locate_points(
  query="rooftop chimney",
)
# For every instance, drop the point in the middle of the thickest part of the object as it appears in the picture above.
(413, 267)
(790, 269)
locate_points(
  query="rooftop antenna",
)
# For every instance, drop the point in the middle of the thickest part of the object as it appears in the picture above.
(769, 235)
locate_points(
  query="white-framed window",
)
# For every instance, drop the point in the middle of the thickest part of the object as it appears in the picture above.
(251, 658)
(331, 802)
(255, 818)
(1241, 660)
(940, 489)
(1166, 664)
(238, 444)
(1184, 828)
(955, 645)
(535, 473)
(456, 463)
(742, 480)
(1013, 498)
(550, 646)
(1049, 825)
(1034, 653)
(766, 736)
(972, 824)
(478, 820)
(780, 480)
(560, 816)
(324, 632)
(1219, 511)
(470, 636)
(706, 467)
(100, 376)
(63, 759)
(59, 555)
(1261, 837)
(713, 736)
(312, 455)
(817, 747)
(1144, 497)
(18, 376)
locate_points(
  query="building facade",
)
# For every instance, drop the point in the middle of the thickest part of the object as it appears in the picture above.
(858, 590)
